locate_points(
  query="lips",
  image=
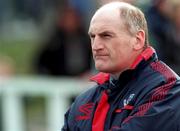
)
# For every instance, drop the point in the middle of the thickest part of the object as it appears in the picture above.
(101, 56)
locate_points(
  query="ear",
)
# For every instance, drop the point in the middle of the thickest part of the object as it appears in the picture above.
(140, 40)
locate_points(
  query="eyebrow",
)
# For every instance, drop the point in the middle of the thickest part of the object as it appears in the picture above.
(106, 32)
(101, 33)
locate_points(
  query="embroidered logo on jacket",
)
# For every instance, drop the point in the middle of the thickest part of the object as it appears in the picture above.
(86, 111)
(126, 101)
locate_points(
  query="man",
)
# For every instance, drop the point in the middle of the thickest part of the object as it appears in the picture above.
(136, 91)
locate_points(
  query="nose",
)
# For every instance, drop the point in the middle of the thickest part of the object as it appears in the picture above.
(97, 43)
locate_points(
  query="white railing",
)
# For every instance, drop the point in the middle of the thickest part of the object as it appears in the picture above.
(56, 91)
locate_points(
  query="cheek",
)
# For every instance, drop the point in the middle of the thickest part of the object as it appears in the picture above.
(116, 57)
(122, 54)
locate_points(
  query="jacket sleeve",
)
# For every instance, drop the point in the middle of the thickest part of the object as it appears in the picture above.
(69, 121)
(65, 126)
(155, 121)
(160, 114)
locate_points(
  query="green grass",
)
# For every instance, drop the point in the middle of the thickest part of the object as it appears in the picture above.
(21, 52)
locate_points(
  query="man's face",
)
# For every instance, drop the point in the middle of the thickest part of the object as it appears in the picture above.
(112, 45)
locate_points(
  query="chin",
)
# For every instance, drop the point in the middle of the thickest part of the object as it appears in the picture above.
(102, 68)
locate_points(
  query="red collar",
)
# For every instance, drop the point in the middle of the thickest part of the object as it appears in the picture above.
(145, 55)
(101, 77)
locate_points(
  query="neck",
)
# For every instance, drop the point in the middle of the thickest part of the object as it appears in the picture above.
(115, 76)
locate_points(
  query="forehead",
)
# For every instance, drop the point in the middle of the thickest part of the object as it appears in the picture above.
(105, 20)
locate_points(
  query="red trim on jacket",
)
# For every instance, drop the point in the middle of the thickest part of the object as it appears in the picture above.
(86, 111)
(146, 54)
(127, 107)
(160, 92)
(100, 113)
(101, 77)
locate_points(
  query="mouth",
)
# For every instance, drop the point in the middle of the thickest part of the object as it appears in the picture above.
(100, 56)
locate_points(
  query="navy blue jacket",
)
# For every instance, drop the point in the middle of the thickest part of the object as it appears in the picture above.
(145, 98)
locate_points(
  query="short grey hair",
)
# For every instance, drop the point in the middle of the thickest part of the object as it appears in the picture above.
(134, 21)
(132, 17)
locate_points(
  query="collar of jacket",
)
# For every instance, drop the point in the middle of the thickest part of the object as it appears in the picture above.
(101, 77)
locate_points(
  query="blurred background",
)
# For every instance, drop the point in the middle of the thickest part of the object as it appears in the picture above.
(45, 55)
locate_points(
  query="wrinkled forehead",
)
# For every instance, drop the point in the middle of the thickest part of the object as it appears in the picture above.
(109, 16)
(106, 13)
(104, 20)
(111, 9)
(110, 12)
(105, 16)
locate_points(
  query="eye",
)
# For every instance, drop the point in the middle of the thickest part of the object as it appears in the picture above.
(92, 36)
(105, 35)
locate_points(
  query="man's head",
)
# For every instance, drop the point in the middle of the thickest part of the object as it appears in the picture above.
(108, 1)
(118, 33)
